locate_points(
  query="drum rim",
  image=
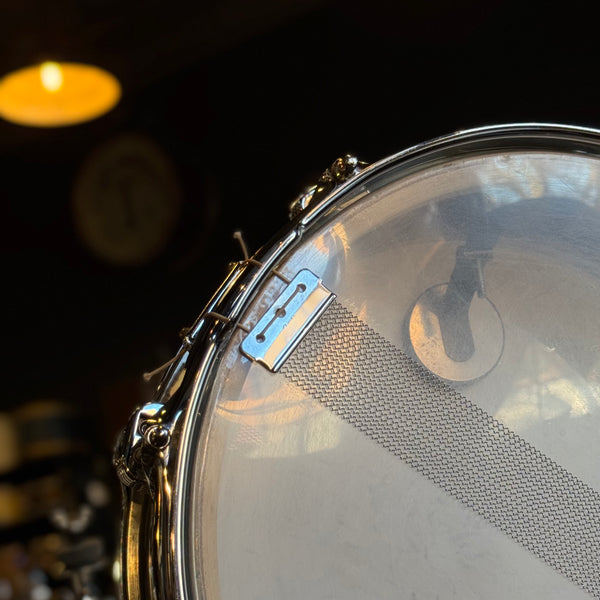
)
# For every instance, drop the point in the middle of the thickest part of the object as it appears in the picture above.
(514, 135)
(209, 334)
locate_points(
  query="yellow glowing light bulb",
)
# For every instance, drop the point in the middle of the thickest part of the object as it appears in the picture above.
(51, 76)
(57, 94)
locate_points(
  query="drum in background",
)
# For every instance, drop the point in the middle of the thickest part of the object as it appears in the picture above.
(400, 397)
(43, 443)
(57, 518)
(51, 428)
(10, 455)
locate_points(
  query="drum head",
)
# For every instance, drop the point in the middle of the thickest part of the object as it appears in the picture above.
(436, 432)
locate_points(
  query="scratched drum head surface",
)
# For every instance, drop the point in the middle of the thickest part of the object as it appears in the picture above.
(289, 499)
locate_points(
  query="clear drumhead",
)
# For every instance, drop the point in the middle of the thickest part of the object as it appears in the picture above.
(432, 463)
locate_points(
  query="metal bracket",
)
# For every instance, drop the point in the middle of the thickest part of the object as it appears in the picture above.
(146, 433)
(288, 320)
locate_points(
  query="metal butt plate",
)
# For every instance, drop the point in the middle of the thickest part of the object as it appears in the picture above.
(288, 320)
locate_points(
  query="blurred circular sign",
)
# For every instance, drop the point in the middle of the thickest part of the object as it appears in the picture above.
(126, 200)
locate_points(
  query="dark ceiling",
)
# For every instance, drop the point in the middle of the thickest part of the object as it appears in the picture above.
(250, 100)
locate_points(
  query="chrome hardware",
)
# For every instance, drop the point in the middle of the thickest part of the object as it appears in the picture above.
(145, 434)
(301, 202)
(157, 437)
(188, 334)
(288, 320)
(341, 170)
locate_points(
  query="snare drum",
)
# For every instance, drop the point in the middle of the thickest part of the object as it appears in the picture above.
(397, 398)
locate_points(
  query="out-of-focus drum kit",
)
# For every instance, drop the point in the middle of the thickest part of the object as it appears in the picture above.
(57, 515)
(399, 397)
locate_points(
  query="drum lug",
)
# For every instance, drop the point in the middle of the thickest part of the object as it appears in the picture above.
(340, 171)
(145, 436)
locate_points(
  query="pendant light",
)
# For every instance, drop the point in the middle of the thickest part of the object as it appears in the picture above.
(56, 94)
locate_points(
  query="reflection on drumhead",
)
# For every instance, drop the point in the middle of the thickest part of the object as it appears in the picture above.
(294, 494)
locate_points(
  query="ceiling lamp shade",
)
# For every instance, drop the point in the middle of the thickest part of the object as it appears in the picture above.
(57, 94)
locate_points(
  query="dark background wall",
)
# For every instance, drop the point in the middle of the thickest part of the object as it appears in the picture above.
(251, 101)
